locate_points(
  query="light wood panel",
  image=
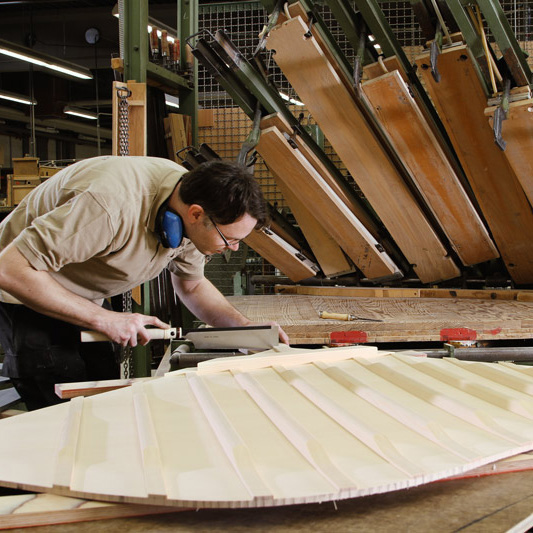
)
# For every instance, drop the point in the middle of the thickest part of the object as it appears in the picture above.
(403, 319)
(32, 510)
(461, 101)
(281, 254)
(326, 96)
(277, 428)
(517, 132)
(421, 153)
(290, 166)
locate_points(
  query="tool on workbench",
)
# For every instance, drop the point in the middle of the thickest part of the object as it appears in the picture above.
(345, 316)
(245, 337)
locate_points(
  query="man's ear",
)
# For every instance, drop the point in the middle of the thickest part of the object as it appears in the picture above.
(195, 213)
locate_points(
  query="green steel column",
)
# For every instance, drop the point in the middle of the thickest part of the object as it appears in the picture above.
(135, 40)
(188, 25)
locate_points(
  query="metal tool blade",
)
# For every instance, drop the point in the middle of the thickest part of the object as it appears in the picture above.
(249, 338)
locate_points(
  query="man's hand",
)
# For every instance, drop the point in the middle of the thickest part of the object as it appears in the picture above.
(128, 329)
(283, 337)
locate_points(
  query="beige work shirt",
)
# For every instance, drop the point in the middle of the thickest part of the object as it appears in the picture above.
(92, 226)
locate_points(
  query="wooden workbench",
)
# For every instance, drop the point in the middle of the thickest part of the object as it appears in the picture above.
(403, 319)
(491, 504)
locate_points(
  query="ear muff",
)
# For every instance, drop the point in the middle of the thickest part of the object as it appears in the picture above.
(169, 228)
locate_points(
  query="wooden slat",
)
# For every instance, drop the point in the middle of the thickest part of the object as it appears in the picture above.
(403, 319)
(319, 86)
(461, 101)
(419, 150)
(281, 254)
(387, 292)
(327, 252)
(32, 510)
(517, 132)
(89, 388)
(290, 166)
(278, 121)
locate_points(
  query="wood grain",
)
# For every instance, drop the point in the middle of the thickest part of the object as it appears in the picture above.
(460, 100)
(421, 153)
(277, 428)
(318, 84)
(404, 319)
(297, 174)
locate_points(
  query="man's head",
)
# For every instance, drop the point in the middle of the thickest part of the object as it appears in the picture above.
(221, 204)
(226, 191)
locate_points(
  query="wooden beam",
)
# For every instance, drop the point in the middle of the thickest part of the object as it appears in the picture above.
(327, 252)
(387, 292)
(421, 153)
(517, 132)
(32, 510)
(290, 166)
(460, 100)
(318, 84)
(281, 254)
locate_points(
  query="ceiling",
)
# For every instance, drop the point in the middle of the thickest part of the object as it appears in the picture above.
(58, 28)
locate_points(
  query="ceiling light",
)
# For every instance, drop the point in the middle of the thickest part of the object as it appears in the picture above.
(172, 101)
(43, 60)
(19, 98)
(79, 112)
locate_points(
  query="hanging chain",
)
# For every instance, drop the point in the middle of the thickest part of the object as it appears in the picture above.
(126, 351)
(123, 94)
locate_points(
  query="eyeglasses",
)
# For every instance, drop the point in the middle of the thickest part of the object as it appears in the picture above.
(227, 243)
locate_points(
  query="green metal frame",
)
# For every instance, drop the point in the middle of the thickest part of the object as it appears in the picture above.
(137, 67)
(506, 39)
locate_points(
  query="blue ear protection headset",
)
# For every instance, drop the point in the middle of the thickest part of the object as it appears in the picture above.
(169, 227)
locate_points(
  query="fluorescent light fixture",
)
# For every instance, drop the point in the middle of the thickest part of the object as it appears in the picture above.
(172, 101)
(43, 60)
(291, 100)
(19, 98)
(79, 112)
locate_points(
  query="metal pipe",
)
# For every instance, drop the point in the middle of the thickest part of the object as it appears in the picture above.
(487, 354)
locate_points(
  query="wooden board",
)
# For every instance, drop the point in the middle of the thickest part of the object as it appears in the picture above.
(283, 427)
(388, 292)
(281, 254)
(339, 189)
(327, 252)
(318, 84)
(31, 510)
(404, 319)
(460, 101)
(517, 132)
(421, 153)
(297, 174)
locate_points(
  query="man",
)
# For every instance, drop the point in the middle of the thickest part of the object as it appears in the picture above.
(97, 229)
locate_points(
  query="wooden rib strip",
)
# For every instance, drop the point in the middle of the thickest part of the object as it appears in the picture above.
(66, 450)
(153, 468)
(229, 439)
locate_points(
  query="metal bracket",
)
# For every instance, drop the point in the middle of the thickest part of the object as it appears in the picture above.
(434, 53)
(252, 140)
(500, 115)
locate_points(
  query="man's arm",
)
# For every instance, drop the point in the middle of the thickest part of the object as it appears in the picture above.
(42, 293)
(206, 302)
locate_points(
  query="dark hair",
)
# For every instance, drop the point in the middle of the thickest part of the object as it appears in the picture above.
(226, 191)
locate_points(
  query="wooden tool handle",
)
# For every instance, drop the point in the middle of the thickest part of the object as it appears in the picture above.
(334, 316)
(153, 333)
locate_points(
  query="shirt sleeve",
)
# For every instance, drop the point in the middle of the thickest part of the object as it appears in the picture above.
(189, 262)
(71, 233)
